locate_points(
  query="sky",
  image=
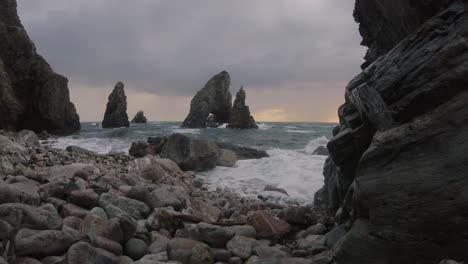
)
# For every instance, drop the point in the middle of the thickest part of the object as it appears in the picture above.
(294, 57)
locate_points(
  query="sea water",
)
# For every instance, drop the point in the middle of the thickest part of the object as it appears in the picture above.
(291, 165)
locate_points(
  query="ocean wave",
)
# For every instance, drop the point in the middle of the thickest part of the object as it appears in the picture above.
(299, 131)
(314, 144)
(264, 126)
(187, 130)
(299, 173)
(98, 145)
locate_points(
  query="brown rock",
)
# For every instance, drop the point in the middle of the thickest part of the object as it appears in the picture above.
(269, 226)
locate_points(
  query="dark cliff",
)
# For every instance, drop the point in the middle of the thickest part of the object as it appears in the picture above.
(116, 108)
(396, 178)
(32, 95)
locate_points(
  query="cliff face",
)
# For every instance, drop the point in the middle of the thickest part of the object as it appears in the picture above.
(396, 178)
(32, 95)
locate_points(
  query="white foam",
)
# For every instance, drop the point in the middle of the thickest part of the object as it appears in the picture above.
(299, 131)
(186, 130)
(264, 126)
(98, 145)
(296, 171)
(223, 125)
(315, 143)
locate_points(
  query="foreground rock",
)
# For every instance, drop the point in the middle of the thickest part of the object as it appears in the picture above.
(240, 114)
(215, 99)
(395, 177)
(116, 109)
(139, 118)
(77, 206)
(32, 95)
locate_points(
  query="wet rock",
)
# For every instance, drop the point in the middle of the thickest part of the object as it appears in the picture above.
(73, 222)
(80, 150)
(268, 252)
(80, 253)
(53, 260)
(27, 261)
(212, 235)
(243, 230)
(242, 246)
(243, 153)
(108, 245)
(205, 211)
(240, 113)
(43, 243)
(139, 118)
(139, 149)
(321, 150)
(272, 188)
(159, 245)
(268, 226)
(73, 210)
(221, 255)
(21, 215)
(135, 248)
(116, 109)
(189, 251)
(215, 98)
(21, 192)
(167, 195)
(134, 208)
(190, 154)
(84, 198)
(119, 228)
(227, 158)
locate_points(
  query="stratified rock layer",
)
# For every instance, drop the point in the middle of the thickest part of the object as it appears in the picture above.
(116, 110)
(240, 114)
(139, 118)
(32, 95)
(215, 98)
(396, 176)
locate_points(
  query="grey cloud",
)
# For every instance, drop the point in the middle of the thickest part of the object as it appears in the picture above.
(173, 47)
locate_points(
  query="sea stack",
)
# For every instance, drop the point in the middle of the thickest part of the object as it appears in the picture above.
(116, 110)
(240, 114)
(32, 95)
(396, 178)
(215, 99)
(139, 118)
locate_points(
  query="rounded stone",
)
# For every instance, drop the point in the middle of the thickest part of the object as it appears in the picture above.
(135, 248)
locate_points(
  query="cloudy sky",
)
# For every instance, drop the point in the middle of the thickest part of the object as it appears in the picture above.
(294, 57)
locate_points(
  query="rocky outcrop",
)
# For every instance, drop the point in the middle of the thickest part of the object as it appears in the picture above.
(116, 109)
(194, 154)
(139, 118)
(240, 114)
(396, 172)
(215, 98)
(32, 95)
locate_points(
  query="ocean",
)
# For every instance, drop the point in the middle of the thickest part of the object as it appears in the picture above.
(291, 164)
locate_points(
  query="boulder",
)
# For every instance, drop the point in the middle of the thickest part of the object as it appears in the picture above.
(243, 153)
(242, 246)
(268, 226)
(189, 251)
(321, 150)
(85, 198)
(32, 95)
(139, 118)
(80, 253)
(136, 248)
(116, 109)
(20, 192)
(43, 243)
(189, 153)
(139, 149)
(240, 113)
(136, 209)
(213, 235)
(19, 215)
(215, 98)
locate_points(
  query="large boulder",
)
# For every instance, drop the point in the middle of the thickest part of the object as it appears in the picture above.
(139, 118)
(240, 114)
(215, 98)
(189, 153)
(32, 95)
(189, 251)
(116, 109)
(397, 169)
